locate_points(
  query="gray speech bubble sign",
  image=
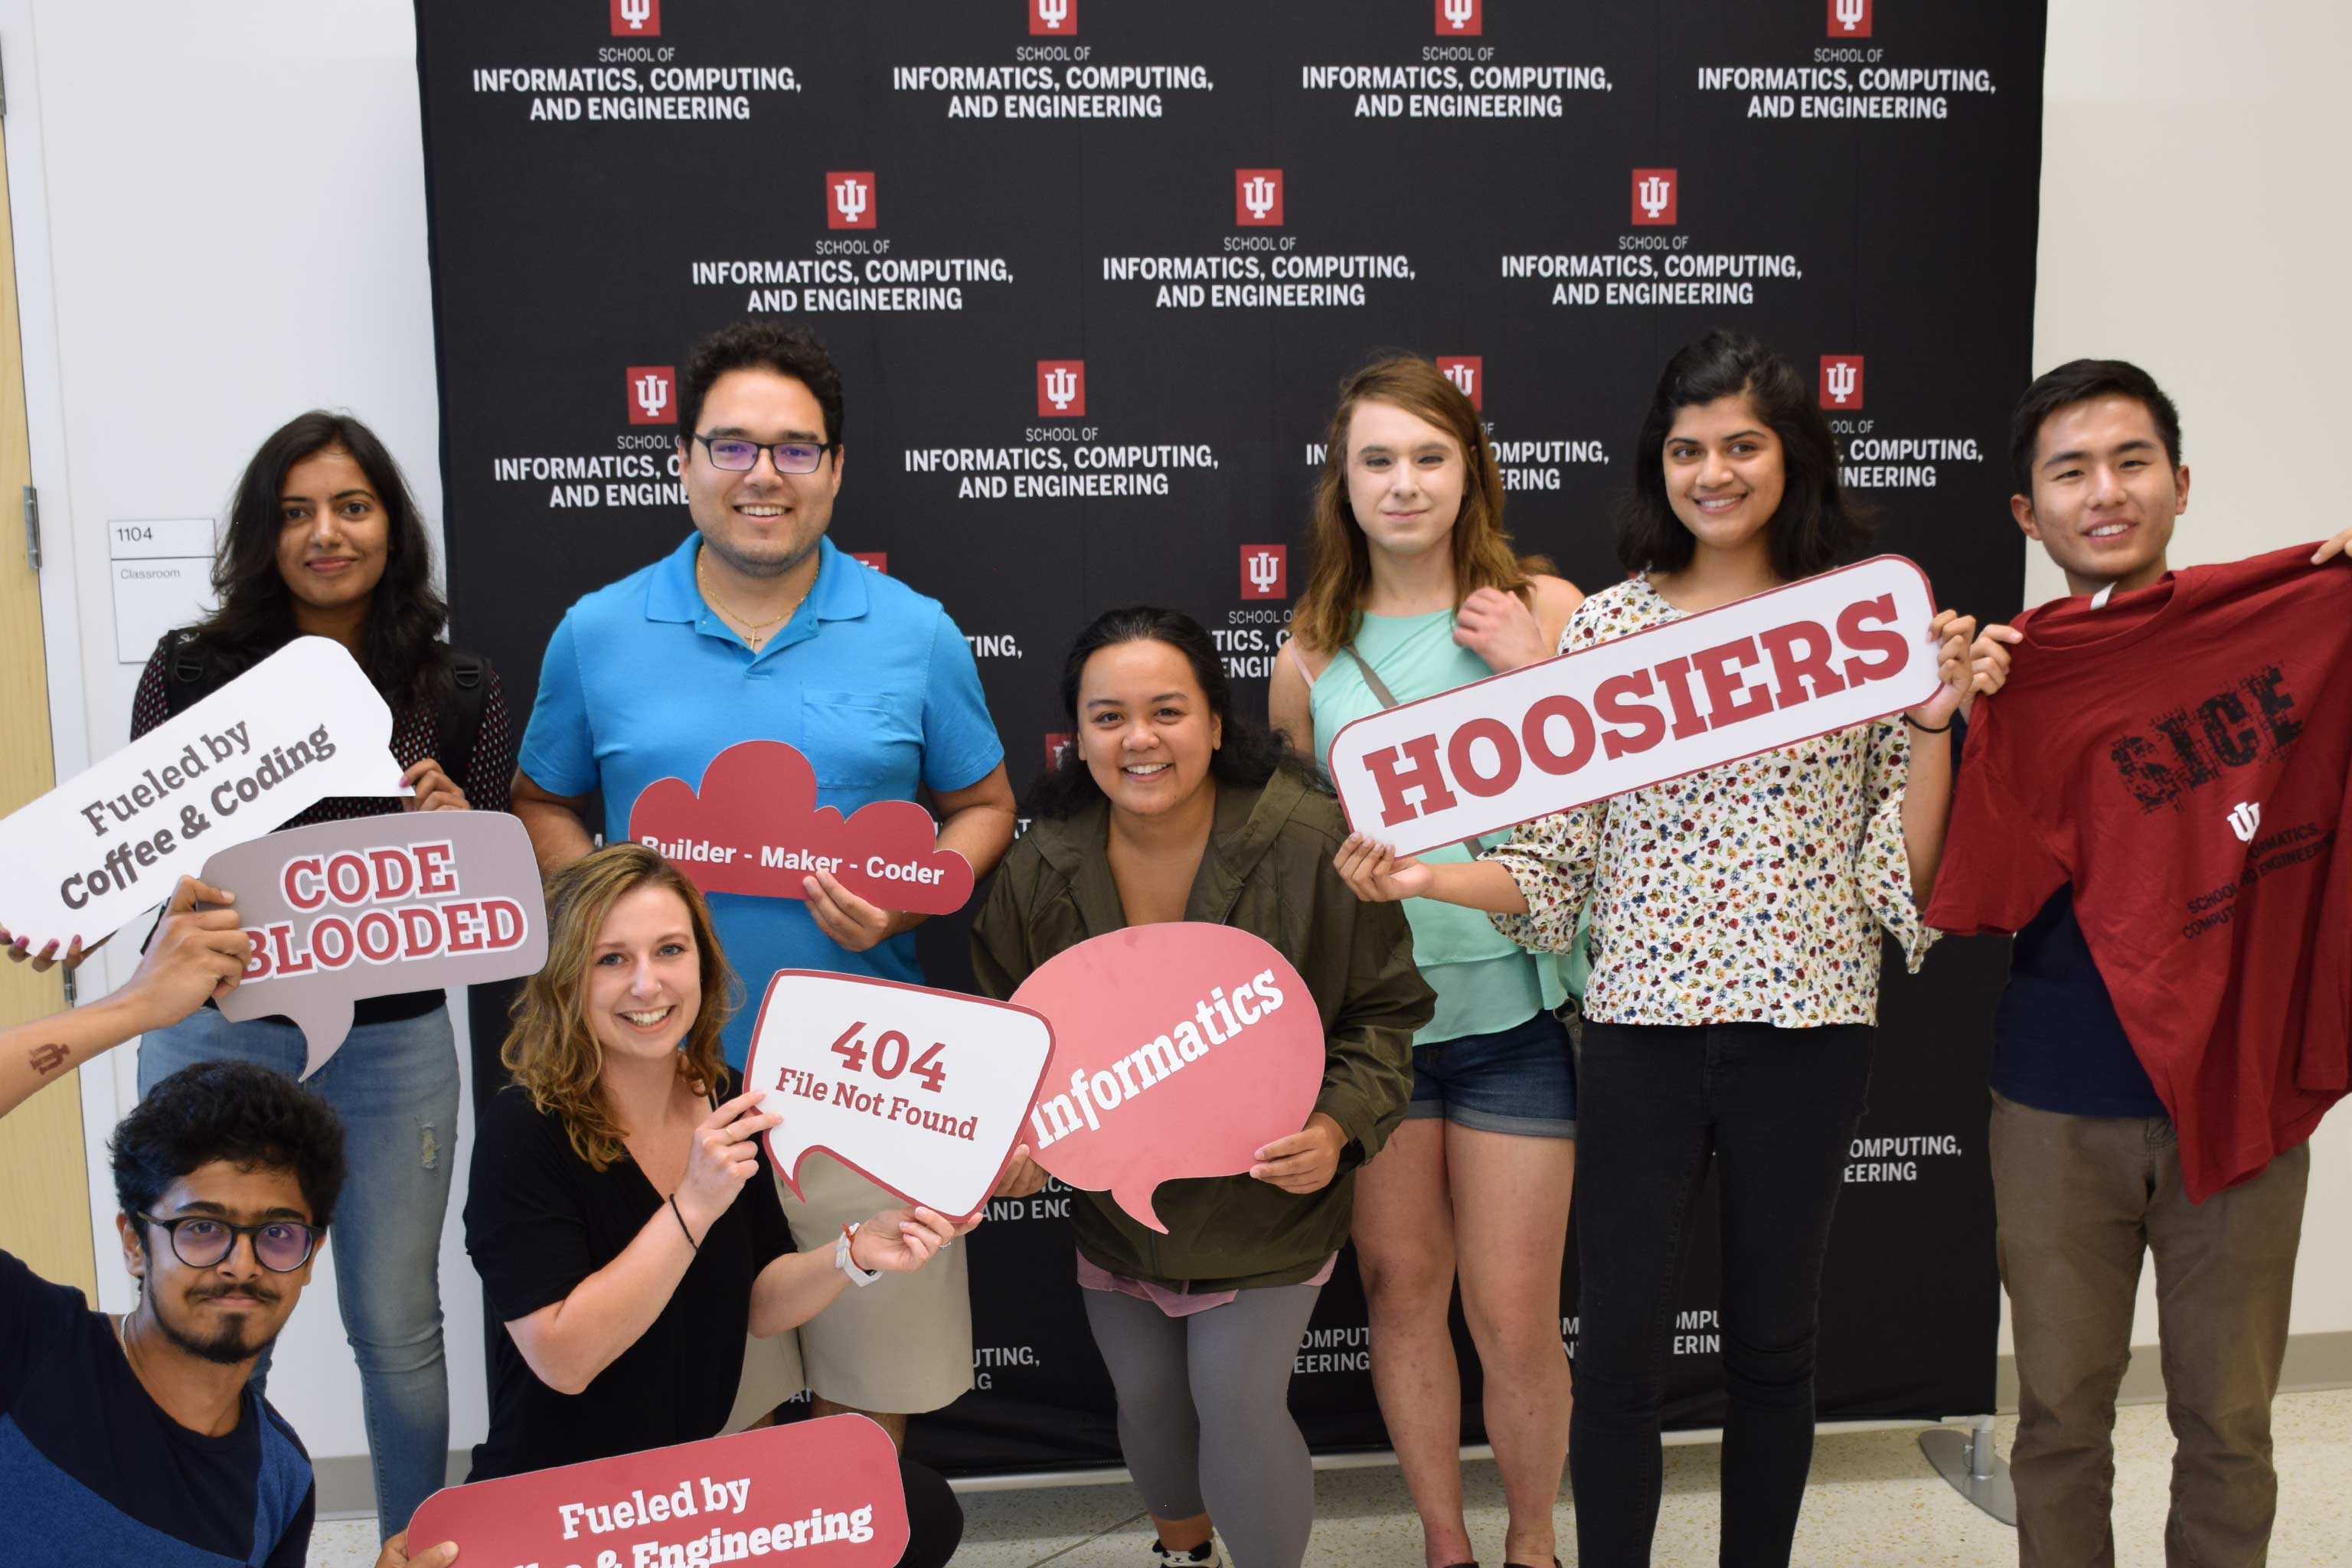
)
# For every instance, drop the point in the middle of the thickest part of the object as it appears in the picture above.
(412, 900)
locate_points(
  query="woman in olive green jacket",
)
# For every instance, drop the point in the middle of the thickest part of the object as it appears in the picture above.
(1167, 806)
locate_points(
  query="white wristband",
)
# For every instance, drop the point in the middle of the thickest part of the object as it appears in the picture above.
(841, 1260)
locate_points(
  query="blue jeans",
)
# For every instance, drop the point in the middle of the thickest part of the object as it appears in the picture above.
(395, 1086)
(1520, 1081)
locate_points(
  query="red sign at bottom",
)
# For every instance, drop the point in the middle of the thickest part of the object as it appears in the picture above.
(826, 1492)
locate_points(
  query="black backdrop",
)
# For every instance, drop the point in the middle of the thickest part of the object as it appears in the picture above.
(1216, 208)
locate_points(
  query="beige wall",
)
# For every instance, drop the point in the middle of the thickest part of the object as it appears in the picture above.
(2186, 225)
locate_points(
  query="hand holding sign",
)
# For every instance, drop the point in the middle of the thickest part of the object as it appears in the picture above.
(831, 1483)
(920, 1090)
(1823, 654)
(755, 827)
(199, 951)
(303, 724)
(378, 905)
(1189, 1049)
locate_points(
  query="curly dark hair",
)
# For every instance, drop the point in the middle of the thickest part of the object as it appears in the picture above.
(760, 345)
(1817, 526)
(1248, 755)
(400, 647)
(233, 1110)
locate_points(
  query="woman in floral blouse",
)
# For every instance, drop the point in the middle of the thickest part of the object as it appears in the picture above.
(1736, 927)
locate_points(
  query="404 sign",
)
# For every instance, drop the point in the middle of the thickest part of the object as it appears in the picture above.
(858, 1068)
(892, 1055)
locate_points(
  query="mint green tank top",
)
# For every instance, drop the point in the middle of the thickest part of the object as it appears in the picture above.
(1484, 982)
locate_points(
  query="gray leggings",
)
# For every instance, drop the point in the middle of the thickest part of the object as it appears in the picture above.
(1227, 1370)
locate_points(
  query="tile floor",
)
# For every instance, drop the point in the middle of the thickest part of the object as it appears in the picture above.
(1874, 1501)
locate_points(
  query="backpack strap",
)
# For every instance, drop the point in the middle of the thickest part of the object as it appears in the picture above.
(461, 721)
(1386, 699)
(188, 673)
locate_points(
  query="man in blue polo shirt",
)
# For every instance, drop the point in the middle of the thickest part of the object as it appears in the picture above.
(756, 627)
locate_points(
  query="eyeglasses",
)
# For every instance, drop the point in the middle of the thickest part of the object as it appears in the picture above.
(200, 1241)
(737, 456)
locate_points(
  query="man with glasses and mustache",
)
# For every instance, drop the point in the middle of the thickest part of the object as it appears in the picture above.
(755, 626)
(138, 1440)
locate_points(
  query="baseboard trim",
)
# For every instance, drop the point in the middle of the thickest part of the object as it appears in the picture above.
(2314, 1361)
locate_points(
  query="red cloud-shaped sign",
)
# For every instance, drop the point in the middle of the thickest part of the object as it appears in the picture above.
(755, 827)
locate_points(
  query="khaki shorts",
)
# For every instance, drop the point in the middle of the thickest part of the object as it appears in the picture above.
(899, 1346)
(771, 1374)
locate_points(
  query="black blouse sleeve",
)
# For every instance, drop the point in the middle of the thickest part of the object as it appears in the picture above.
(526, 1224)
(149, 705)
(489, 776)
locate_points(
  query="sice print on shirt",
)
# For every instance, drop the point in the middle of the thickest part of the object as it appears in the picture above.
(2193, 746)
(2273, 853)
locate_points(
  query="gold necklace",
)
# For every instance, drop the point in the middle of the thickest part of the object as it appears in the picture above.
(749, 628)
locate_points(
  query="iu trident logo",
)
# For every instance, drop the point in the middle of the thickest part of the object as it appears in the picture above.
(1468, 371)
(1842, 382)
(1656, 193)
(1461, 18)
(1850, 18)
(653, 394)
(1061, 388)
(2245, 820)
(850, 202)
(1266, 571)
(1054, 18)
(637, 19)
(1257, 198)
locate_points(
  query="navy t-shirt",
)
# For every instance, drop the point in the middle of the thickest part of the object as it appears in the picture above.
(2057, 1042)
(100, 1475)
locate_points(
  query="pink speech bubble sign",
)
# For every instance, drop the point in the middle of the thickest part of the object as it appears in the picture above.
(920, 1090)
(754, 828)
(1178, 1050)
(409, 901)
(840, 1472)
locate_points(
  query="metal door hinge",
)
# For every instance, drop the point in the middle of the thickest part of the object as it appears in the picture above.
(32, 529)
(73, 992)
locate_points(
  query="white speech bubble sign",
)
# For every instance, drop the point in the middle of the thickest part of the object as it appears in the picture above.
(920, 1090)
(1820, 655)
(303, 724)
(409, 901)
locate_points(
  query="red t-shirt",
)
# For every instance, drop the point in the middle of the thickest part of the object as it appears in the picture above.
(2179, 756)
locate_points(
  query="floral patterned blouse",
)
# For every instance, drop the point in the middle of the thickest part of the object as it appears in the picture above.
(1751, 892)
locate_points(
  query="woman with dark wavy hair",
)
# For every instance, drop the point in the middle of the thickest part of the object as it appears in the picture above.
(1736, 918)
(324, 540)
(1168, 806)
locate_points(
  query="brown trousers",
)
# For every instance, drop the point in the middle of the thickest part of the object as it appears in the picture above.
(2080, 1199)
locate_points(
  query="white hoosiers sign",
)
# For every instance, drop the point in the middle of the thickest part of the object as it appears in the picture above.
(299, 726)
(1831, 651)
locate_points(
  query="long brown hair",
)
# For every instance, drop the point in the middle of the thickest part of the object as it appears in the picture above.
(1340, 562)
(550, 1049)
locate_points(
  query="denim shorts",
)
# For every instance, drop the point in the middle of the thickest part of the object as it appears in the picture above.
(1521, 1080)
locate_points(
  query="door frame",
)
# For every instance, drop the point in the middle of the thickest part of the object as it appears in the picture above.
(108, 1084)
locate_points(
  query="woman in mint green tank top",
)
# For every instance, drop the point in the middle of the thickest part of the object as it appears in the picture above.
(1413, 589)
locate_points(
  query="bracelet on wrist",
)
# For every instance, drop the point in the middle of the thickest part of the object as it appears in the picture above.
(847, 1264)
(1929, 729)
(682, 1226)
